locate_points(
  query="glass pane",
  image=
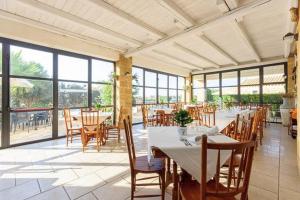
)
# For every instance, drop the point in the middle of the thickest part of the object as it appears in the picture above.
(150, 96)
(199, 95)
(229, 79)
(30, 126)
(72, 94)
(137, 116)
(30, 62)
(102, 93)
(139, 74)
(230, 93)
(0, 97)
(0, 63)
(249, 94)
(71, 68)
(181, 83)
(173, 82)
(181, 96)
(272, 95)
(137, 93)
(162, 81)
(150, 79)
(212, 94)
(0, 128)
(61, 121)
(29, 93)
(163, 96)
(102, 71)
(274, 74)
(212, 80)
(172, 96)
(250, 77)
(198, 81)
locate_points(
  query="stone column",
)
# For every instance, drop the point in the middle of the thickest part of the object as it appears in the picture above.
(188, 89)
(290, 81)
(124, 87)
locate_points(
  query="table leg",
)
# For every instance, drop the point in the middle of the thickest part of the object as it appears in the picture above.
(175, 182)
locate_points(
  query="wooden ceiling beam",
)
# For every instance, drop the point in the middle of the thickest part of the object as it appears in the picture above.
(237, 27)
(127, 17)
(77, 20)
(195, 54)
(177, 12)
(53, 29)
(231, 15)
(241, 33)
(177, 59)
(218, 49)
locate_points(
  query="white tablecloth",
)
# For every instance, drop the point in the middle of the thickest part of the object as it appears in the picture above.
(187, 157)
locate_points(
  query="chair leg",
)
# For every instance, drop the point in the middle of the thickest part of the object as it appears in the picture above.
(132, 186)
(67, 137)
(163, 184)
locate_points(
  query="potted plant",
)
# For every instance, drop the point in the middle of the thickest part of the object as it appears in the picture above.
(228, 104)
(182, 118)
(98, 105)
(212, 105)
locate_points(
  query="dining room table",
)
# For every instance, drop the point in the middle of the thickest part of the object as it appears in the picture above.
(185, 152)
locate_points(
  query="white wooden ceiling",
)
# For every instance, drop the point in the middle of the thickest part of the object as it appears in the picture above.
(197, 35)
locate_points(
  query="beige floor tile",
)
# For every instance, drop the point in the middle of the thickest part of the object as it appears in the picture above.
(89, 196)
(83, 185)
(116, 190)
(290, 183)
(110, 173)
(20, 192)
(285, 194)
(256, 193)
(57, 178)
(57, 193)
(264, 182)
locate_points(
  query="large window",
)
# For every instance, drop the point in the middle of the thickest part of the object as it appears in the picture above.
(31, 94)
(212, 87)
(230, 86)
(73, 82)
(250, 92)
(256, 85)
(273, 85)
(102, 78)
(40, 81)
(153, 87)
(198, 88)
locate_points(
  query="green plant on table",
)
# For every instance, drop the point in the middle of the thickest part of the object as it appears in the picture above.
(183, 118)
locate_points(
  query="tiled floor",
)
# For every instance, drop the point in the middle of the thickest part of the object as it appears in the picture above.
(50, 170)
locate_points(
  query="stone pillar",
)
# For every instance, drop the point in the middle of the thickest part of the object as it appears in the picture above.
(188, 89)
(290, 81)
(124, 87)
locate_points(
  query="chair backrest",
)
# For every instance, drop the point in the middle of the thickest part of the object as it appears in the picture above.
(68, 119)
(129, 141)
(209, 117)
(90, 120)
(160, 117)
(241, 173)
(245, 132)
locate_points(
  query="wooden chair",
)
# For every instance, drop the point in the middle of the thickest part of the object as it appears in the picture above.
(140, 165)
(160, 118)
(219, 188)
(113, 131)
(147, 120)
(70, 127)
(91, 128)
(208, 117)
